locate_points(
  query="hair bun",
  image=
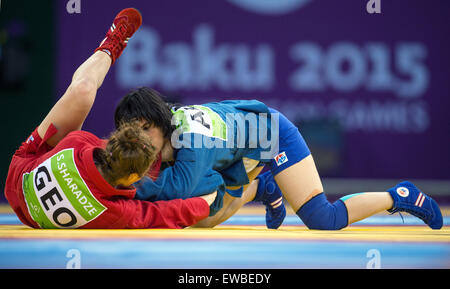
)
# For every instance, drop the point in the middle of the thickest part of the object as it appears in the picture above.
(129, 150)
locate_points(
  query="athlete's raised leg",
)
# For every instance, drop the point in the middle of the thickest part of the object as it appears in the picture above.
(71, 110)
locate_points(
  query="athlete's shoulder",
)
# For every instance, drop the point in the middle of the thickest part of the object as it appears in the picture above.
(252, 105)
(82, 137)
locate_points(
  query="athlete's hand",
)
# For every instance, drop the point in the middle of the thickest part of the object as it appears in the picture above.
(209, 198)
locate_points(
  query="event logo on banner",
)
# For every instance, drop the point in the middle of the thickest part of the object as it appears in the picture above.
(200, 65)
(343, 67)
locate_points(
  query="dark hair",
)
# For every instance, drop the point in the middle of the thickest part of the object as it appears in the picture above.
(129, 150)
(147, 104)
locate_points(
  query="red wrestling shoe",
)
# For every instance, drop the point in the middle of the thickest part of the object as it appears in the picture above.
(126, 23)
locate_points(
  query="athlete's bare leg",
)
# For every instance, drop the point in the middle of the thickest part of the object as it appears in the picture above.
(301, 182)
(367, 204)
(71, 110)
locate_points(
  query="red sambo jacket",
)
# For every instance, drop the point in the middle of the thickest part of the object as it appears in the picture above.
(60, 187)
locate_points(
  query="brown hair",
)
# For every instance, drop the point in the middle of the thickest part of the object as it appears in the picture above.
(129, 150)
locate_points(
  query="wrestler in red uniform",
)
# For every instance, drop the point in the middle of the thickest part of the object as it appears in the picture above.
(55, 179)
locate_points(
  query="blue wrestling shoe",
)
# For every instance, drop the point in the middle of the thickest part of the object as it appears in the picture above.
(408, 198)
(270, 195)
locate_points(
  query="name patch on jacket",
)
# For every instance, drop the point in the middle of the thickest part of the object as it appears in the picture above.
(57, 196)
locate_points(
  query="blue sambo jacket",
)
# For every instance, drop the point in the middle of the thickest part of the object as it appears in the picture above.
(210, 144)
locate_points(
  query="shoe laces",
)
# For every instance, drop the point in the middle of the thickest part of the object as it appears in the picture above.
(401, 216)
(119, 35)
(413, 210)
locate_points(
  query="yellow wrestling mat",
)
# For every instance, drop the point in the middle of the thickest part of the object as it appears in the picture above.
(352, 233)
(241, 242)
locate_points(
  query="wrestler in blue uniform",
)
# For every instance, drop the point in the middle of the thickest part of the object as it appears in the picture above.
(217, 144)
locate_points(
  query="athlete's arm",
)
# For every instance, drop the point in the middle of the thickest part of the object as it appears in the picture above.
(192, 168)
(173, 214)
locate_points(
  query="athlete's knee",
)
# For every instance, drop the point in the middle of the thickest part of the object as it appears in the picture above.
(83, 86)
(319, 214)
(82, 93)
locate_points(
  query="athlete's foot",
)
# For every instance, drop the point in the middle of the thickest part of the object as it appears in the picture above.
(126, 23)
(408, 198)
(270, 195)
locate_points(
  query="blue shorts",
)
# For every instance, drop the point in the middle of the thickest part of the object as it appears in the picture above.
(292, 146)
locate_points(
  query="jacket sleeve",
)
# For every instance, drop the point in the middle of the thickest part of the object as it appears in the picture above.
(173, 214)
(181, 179)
